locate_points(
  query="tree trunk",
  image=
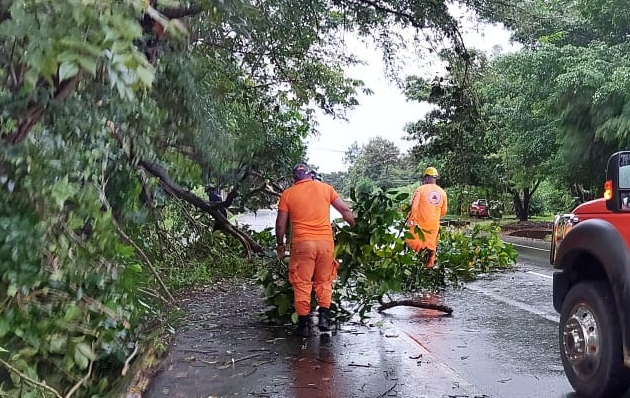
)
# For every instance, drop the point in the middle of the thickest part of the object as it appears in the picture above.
(519, 211)
(526, 199)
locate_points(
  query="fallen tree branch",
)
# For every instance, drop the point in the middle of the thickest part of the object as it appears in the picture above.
(180, 12)
(29, 380)
(98, 306)
(416, 303)
(358, 365)
(245, 358)
(174, 189)
(388, 391)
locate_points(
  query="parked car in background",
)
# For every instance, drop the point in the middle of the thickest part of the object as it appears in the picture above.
(478, 208)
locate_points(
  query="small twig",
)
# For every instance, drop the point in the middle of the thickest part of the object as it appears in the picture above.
(388, 391)
(29, 380)
(80, 382)
(358, 365)
(125, 368)
(152, 294)
(246, 358)
(250, 373)
(199, 351)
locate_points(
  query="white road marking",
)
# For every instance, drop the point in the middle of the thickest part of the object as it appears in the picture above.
(515, 303)
(539, 274)
(457, 379)
(529, 247)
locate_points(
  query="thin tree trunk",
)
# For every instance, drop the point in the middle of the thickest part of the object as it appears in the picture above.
(518, 206)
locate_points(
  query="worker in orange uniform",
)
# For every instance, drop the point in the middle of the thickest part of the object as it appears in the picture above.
(312, 265)
(428, 204)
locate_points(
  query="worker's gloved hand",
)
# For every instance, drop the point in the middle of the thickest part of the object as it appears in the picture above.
(280, 249)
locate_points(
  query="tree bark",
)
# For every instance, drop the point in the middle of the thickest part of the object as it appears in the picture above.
(518, 206)
(521, 206)
(416, 303)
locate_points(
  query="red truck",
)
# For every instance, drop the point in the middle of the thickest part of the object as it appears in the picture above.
(590, 252)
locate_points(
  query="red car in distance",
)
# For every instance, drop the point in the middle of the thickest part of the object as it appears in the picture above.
(478, 208)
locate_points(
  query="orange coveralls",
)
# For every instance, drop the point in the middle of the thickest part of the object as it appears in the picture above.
(312, 265)
(428, 204)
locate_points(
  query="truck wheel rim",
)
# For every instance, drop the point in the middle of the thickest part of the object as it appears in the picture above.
(580, 340)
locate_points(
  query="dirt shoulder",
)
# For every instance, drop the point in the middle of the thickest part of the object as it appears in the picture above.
(529, 229)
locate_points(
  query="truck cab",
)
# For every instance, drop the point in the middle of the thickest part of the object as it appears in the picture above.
(590, 252)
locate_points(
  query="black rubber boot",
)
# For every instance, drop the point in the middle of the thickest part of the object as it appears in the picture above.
(324, 319)
(303, 326)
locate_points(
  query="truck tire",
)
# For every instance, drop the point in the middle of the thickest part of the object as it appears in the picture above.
(590, 342)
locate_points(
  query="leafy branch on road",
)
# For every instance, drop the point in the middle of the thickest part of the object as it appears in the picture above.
(375, 265)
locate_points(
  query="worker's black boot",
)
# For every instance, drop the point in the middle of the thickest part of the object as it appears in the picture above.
(324, 319)
(303, 326)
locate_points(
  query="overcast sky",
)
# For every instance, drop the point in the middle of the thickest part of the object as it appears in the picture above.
(386, 112)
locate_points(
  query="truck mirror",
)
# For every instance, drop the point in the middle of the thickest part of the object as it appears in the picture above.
(617, 186)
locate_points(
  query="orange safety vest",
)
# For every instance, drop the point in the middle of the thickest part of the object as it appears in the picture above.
(428, 204)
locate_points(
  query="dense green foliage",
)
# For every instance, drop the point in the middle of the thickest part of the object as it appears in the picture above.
(551, 112)
(375, 262)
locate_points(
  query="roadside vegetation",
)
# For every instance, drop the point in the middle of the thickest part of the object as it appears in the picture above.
(119, 118)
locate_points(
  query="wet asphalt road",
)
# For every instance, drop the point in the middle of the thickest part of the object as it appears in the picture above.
(502, 336)
(500, 342)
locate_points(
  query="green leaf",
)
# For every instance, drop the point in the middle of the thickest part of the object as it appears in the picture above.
(67, 70)
(28, 352)
(72, 312)
(58, 343)
(81, 360)
(12, 291)
(86, 350)
(136, 267)
(89, 64)
(402, 196)
(145, 75)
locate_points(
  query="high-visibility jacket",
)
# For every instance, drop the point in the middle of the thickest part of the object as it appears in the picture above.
(308, 204)
(428, 204)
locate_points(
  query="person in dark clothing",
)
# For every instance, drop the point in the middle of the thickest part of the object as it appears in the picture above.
(214, 197)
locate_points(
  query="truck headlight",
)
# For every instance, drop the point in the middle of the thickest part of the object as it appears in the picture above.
(562, 224)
